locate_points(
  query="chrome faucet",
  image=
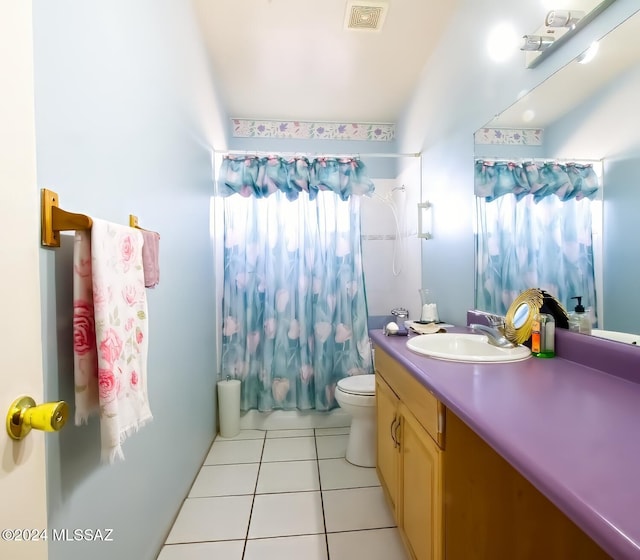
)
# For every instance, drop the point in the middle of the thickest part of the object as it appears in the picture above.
(495, 335)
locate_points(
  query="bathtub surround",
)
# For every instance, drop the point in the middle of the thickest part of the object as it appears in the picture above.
(293, 419)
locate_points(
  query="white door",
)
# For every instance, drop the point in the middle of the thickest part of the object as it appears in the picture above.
(22, 464)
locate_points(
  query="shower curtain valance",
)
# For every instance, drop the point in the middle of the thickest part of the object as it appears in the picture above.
(262, 176)
(494, 179)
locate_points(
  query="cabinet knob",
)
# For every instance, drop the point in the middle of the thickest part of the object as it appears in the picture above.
(24, 415)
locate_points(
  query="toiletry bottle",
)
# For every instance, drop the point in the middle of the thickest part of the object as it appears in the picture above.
(579, 320)
(543, 334)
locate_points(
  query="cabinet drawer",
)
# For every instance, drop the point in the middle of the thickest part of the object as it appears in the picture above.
(423, 404)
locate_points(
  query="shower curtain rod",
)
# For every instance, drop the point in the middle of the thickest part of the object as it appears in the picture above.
(315, 154)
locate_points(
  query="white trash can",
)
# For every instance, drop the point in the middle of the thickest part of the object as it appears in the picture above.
(229, 407)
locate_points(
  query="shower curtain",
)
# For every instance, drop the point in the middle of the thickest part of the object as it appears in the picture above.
(294, 304)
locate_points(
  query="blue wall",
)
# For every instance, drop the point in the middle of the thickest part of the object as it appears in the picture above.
(621, 234)
(125, 117)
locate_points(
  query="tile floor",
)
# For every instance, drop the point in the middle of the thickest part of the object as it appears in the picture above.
(284, 494)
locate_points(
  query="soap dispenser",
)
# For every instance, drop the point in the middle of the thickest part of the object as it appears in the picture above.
(579, 320)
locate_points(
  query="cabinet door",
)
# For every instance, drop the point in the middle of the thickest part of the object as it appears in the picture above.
(387, 422)
(420, 503)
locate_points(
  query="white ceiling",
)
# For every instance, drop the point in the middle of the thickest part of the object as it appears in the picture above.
(294, 59)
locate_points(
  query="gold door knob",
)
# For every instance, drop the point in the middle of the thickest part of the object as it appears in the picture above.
(24, 414)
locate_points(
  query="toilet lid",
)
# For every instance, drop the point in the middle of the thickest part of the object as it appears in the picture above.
(358, 384)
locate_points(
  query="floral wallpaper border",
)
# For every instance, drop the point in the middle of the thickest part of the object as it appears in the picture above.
(376, 132)
(513, 136)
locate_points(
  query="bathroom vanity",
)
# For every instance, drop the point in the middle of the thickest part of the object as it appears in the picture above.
(410, 436)
(532, 459)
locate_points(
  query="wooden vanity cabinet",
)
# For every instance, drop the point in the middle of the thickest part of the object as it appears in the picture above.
(471, 504)
(410, 437)
(493, 512)
(387, 427)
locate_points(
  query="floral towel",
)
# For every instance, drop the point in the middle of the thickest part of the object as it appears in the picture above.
(110, 333)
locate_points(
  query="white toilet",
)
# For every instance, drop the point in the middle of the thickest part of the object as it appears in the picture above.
(356, 395)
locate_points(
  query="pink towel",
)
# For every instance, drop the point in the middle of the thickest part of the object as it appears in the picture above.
(150, 256)
(110, 333)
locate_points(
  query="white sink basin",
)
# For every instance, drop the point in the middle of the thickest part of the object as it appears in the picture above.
(459, 347)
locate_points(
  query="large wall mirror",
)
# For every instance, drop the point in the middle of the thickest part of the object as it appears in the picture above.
(589, 111)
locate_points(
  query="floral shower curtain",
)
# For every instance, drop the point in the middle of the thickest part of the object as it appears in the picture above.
(534, 230)
(294, 305)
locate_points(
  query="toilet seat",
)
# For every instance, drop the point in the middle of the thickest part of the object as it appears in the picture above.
(361, 385)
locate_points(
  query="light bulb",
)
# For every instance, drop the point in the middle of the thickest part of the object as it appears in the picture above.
(536, 42)
(563, 18)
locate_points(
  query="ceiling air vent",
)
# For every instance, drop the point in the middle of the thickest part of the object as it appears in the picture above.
(368, 16)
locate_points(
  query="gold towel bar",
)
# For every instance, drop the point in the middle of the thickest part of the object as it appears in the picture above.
(54, 219)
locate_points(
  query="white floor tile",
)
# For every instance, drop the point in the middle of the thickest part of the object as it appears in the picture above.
(225, 480)
(229, 550)
(289, 449)
(244, 434)
(288, 476)
(332, 431)
(338, 473)
(332, 447)
(358, 508)
(212, 519)
(289, 433)
(233, 452)
(376, 544)
(280, 515)
(307, 547)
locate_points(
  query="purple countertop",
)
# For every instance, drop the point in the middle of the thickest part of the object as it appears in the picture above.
(572, 430)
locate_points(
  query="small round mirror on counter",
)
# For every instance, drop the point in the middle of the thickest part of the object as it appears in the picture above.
(517, 323)
(519, 318)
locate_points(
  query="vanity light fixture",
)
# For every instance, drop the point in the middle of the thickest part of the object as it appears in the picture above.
(425, 220)
(563, 18)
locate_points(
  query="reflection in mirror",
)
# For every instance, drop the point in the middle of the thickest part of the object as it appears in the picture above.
(627, 338)
(521, 315)
(534, 229)
(582, 113)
